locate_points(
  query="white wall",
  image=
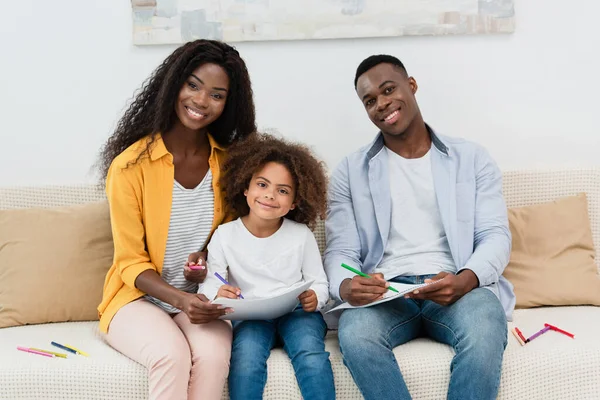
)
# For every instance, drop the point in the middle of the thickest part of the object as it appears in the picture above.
(68, 67)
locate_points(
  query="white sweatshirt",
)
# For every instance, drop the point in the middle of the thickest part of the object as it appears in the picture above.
(263, 267)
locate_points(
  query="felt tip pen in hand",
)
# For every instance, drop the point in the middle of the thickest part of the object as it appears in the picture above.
(225, 282)
(357, 272)
(196, 267)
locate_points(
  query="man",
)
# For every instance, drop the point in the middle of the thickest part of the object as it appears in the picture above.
(414, 207)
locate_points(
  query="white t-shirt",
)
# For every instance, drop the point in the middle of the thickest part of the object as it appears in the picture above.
(417, 243)
(262, 267)
(192, 214)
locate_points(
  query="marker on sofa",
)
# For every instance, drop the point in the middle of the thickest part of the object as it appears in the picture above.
(60, 346)
(530, 338)
(520, 335)
(60, 355)
(83, 353)
(554, 328)
(517, 337)
(28, 350)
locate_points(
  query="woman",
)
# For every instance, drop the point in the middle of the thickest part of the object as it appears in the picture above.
(162, 168)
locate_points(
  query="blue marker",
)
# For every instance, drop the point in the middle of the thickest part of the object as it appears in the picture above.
(60, 346)
(225, 282)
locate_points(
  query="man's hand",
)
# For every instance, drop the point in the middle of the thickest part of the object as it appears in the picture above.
(195, 269)
(229, 292)
(200, 311)
(359, 291)
(446, 288)
(308, 299)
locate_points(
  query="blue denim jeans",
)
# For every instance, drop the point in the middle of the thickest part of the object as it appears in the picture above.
(302, 335)
(475, 326)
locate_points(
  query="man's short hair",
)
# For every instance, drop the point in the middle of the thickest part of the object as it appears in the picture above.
(375, 60)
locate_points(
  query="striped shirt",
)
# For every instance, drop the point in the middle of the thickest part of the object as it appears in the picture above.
(192, 215)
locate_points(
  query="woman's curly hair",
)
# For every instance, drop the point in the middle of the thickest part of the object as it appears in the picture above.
(247, 157)
(153, 108)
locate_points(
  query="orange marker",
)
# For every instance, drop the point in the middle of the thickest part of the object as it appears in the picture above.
(520, 335)
(517, 337)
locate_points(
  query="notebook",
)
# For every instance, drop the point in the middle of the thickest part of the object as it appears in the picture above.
(402, 289)
(270, 307)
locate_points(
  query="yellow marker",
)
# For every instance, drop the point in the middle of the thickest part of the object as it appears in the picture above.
(61, 355)
(83, 353)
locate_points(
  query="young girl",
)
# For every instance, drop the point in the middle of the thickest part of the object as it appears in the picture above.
(278, 188)
(162, 167)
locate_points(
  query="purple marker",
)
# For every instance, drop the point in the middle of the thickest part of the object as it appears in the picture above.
(529, 339)
(227, 283)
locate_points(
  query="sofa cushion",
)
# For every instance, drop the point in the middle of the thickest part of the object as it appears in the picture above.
(552, 365)
(53, 263)
(552, 259)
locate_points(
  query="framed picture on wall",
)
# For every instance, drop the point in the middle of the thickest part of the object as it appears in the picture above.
(179, 21)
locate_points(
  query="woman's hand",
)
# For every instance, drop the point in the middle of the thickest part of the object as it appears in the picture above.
(195, 268)
(200, 310)
(229, 292)
(308, 299)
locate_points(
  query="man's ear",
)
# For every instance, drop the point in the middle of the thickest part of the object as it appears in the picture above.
(413, 84)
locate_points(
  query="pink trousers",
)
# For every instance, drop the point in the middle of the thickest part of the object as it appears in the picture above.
(184, 361)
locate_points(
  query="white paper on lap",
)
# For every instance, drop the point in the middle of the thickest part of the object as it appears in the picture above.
(264, 307)
(402, 288)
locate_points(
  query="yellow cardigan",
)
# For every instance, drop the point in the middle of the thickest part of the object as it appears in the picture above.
(140, 197)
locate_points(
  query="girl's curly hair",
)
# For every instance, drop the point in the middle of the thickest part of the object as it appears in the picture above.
(153, 108)
(248, 156)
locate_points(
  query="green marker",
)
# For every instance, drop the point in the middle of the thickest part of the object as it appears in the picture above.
(357, 272)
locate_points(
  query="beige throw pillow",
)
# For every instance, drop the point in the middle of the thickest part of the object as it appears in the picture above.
(552, 258)
(53, 262)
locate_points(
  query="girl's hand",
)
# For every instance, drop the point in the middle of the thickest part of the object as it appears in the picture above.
(229, 292)
(200, 310)
(195, 269)
(308, 299)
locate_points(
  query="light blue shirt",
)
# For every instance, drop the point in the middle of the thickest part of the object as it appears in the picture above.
(468, 186)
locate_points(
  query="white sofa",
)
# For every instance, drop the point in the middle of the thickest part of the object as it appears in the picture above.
(555, 367)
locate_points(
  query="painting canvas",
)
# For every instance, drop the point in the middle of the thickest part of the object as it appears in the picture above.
(179, 21)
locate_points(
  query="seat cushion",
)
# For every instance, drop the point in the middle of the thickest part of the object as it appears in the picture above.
(552, 366)
(105, 374)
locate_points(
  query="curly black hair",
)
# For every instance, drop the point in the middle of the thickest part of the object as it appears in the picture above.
(247, 157)
(153, 108)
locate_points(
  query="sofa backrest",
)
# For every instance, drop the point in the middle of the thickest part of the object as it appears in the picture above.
(521, 188)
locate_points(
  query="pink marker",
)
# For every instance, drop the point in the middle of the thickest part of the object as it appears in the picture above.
(196, 267)
(41, 353)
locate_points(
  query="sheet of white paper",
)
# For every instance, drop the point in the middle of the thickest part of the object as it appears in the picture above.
(402, 288)
(264, 307)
